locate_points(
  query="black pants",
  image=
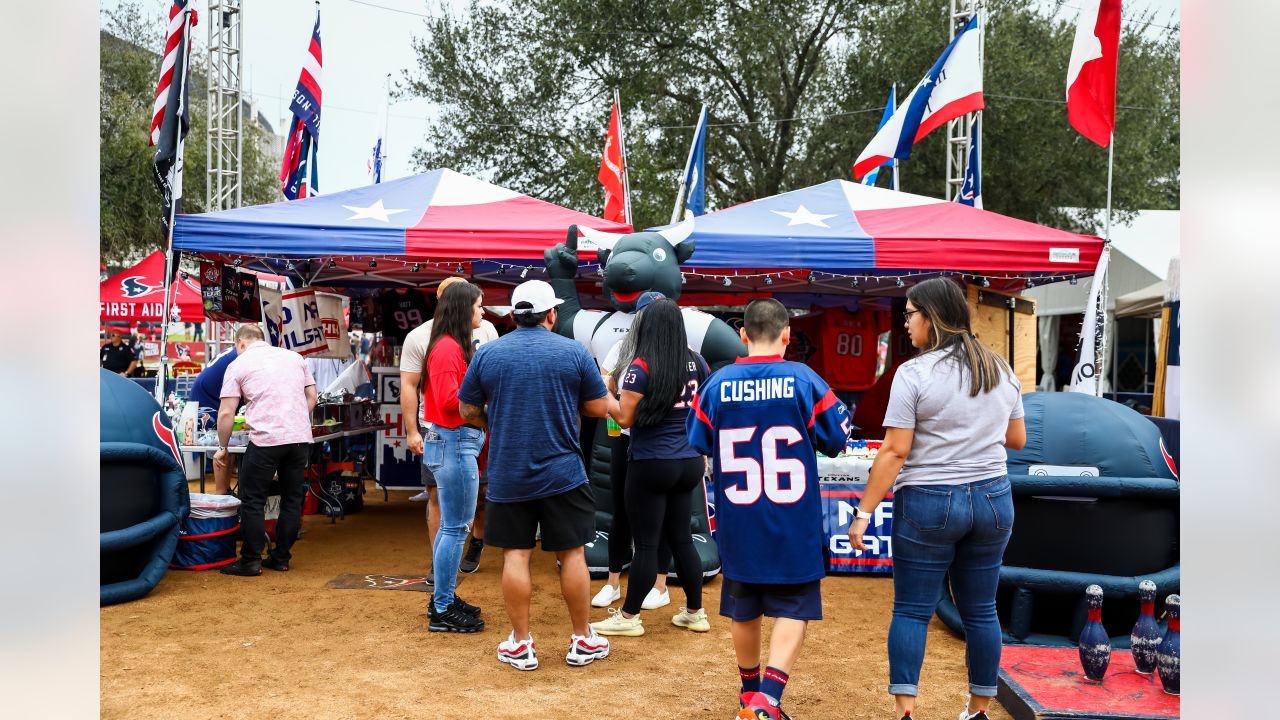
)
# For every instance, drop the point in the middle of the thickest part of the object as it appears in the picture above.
(659, 497)
(620, 536)
(259, 465)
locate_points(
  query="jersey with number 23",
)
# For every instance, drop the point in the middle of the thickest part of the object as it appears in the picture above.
(763, 420)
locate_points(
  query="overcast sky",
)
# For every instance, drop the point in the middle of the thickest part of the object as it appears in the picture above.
(363, 40)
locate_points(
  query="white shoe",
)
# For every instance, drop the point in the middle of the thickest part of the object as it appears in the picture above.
(655, 599)
(519, 655)
(607, 596)
(618, 624)
(695, 621)
(421, 497)
(584, 650)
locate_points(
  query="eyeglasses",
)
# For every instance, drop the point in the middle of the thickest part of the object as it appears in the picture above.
(907, 315)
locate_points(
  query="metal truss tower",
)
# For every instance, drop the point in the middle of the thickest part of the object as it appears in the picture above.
(226, 115)
(958, 130)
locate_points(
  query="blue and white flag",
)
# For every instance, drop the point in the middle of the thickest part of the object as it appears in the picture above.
(951, 88)
(695, 170)
(870, 178)
(971, 189)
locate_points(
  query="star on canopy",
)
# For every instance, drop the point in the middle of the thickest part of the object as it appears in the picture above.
(374, 212)
(802, 216)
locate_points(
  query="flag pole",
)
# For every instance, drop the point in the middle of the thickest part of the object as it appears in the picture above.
(684, 177)
(175, 195)
(895, 160)
(622, 142)
(1106, 231)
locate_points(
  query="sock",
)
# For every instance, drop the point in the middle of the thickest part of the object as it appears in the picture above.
(750, 678)
(773, 683)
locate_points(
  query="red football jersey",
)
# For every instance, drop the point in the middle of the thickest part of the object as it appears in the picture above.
(848, 346)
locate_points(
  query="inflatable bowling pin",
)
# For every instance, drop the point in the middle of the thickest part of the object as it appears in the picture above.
(1145, 638)
(1095, 644)
(1169, 655)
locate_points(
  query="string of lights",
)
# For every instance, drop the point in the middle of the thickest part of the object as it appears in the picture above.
(826, 278)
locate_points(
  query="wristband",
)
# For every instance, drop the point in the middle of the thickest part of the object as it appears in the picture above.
(862, 515)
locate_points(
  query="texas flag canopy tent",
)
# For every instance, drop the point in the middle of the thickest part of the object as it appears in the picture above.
(846, 227)
(138, 294)
(438, 215)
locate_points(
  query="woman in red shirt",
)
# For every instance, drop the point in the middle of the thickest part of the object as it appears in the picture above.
(451, 449)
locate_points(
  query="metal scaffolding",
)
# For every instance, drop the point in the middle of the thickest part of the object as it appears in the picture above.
(225, 138)
(958, 130)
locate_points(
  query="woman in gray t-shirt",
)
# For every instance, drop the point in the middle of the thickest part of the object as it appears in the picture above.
(952, 411)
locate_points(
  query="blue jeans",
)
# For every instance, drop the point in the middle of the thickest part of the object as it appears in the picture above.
(451, 455)
(941, 529)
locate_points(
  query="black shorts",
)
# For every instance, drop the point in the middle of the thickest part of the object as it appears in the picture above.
(744, 602)
(568, 521)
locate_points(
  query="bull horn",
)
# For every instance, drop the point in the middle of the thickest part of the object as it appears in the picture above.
(679, 233)
(599, 238)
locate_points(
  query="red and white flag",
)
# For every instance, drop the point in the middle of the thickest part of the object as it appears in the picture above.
(612, 169)
(1091, 76)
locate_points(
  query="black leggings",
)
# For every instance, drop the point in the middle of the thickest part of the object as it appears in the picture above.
(659, 497)
(620, 534)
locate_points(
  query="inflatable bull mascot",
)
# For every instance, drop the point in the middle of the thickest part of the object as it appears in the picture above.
(633, 264)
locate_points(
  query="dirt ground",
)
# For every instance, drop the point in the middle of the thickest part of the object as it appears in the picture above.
(207, 645)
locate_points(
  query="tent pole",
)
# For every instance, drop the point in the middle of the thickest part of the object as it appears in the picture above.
(626, 172)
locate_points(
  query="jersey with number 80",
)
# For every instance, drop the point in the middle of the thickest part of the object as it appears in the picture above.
(763, 422)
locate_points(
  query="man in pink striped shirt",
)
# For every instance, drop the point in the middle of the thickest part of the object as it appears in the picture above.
(279, 394)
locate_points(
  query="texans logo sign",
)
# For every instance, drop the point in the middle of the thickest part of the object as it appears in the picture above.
(133, 287)
(166, 436)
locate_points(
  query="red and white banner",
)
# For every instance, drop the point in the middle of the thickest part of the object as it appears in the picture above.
(1091, 76)
(333, 323)
(612, 168)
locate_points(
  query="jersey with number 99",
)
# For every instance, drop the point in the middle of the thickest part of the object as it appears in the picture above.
(763, 420)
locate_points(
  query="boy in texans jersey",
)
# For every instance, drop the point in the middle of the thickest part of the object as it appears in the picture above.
(762, 421)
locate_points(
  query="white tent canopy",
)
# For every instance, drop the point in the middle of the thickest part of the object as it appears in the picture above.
(1144, 303)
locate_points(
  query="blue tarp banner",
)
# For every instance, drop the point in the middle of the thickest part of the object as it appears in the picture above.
(839, 500)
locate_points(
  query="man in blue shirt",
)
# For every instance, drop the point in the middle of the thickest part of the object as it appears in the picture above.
(206, 390)
(762, 421)
(536, 384)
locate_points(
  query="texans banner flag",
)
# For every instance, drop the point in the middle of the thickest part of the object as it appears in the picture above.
(871, 177)
(951, 88)
(299, 172)
(170, 117)
(379, 155)
(1091, 76)
(971, 189)
(612, 170)
(1093, 334)
(695, 170)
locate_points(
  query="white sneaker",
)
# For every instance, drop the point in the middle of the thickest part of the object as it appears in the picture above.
(607, 596)
(695, 621)
(618, 624)
(421, 497)
(519, 655)
(584, 650)
(655, 599)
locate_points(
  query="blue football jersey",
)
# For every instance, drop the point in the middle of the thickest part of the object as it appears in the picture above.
(763, 420)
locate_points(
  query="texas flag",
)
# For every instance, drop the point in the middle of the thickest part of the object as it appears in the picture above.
(1091, 76)
(951, 88)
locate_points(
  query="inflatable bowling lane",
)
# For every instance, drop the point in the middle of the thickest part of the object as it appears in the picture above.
(1095, 503)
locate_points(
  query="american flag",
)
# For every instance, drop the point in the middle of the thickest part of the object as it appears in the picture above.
(170, 118)
(175, 59)
(299, 171)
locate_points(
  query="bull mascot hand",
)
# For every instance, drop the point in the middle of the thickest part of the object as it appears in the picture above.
(562, 260)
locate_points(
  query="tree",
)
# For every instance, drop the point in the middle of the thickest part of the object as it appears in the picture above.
(130, 201)
(794, 92)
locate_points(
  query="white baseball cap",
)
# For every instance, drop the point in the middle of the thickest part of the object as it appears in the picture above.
(533, 296)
